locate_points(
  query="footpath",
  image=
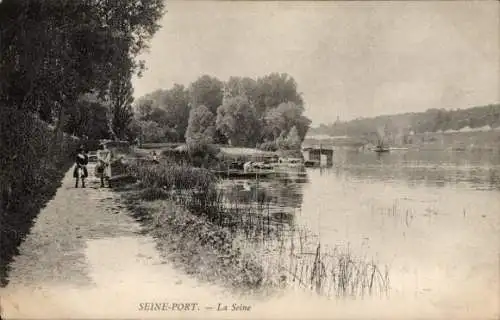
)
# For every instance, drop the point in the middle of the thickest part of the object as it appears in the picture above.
(85, 257)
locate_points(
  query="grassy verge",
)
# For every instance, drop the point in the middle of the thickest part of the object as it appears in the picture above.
(32, 164)
(193, 242)
(247, 247)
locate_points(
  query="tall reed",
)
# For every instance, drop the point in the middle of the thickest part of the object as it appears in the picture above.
(291, 256)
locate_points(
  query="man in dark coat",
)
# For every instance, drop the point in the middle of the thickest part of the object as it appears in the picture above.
(80, 171)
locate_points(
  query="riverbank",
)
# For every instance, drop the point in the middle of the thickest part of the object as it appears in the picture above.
(194, 244)
(250, 246)
(90, 256)
(86, 249)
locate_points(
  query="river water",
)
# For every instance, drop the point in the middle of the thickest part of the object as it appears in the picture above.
(431, 217)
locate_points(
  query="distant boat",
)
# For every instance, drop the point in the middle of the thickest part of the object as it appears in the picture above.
(381, 149)
(312, 163)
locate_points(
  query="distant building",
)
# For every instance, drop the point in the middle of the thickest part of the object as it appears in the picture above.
(319, 155)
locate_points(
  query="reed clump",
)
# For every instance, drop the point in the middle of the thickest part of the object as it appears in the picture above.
(331, 273)
(252, 244)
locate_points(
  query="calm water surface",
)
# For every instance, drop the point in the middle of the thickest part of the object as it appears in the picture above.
(432, 217)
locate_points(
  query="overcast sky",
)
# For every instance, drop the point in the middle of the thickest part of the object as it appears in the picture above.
(350, 59)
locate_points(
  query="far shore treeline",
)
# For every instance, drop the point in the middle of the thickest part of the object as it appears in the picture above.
(266, 112)
(479, 118)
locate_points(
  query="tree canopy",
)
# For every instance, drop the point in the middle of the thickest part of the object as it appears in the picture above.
(246, 112)
(59, 50)
(201, 127)
(237, 121)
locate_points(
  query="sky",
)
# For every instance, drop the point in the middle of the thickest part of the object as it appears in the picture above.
(350, 59)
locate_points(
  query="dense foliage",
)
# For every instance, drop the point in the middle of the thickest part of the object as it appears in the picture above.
(59, 51)
(65, 66)
(240, 111)
(29, 174)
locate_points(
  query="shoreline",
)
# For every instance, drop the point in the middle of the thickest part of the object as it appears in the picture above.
(197, 246)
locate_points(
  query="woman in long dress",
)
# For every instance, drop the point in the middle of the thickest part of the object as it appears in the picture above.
(104, 156)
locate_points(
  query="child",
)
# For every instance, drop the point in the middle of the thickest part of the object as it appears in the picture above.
(155, 157)
(80, 171)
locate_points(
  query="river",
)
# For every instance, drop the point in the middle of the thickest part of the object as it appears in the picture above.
(431, 217)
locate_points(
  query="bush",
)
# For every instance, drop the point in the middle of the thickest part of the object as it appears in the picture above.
(194, 154)
(32, 163)
(202, 155)
(269, 146)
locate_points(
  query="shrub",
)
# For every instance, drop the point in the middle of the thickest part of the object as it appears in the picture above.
(32, 163)
(269, 146)
(202, 154)
(195, 154)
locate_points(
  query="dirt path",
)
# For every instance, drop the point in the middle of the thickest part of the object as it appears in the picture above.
(85, 257)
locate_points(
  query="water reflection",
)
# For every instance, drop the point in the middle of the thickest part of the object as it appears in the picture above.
(432, 168)
(277, 193)
(475, 171)
(429, 215)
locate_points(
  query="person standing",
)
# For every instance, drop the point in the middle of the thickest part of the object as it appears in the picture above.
(80, 171)
(155, 157)
(104, 156)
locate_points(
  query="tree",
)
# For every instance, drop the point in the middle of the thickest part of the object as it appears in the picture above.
(207, 91)
(82, 46)
(201, 127)
(148, 130)
(237, 121)
(275, 89)
(176, 106)
(283, 118)
(241, 86)
(144, 108)
(293, 139)
(170, 108)
(87, 118)
(271, 103)
(121, 106)
(159, 116)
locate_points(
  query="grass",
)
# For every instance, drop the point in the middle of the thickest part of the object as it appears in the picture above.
(246, 245)
(396, 211)
(193, 243)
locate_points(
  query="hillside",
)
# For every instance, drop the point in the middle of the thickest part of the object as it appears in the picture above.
(398, 128)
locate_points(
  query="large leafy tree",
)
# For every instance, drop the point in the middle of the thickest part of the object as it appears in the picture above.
(176, 106)
(237, 120)
(207, 91)
(275, 89)
(201, 126)
(169, 108)
(60, 49)
(281, 119)
(242, 86)
(87, 118)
